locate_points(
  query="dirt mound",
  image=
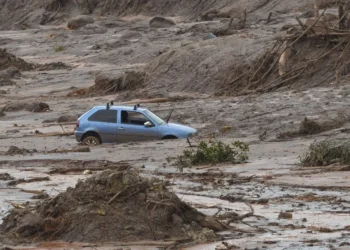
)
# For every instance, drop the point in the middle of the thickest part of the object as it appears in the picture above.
(52, 66)
(32, 107)
(79, 22)
(112, 83)
(161, 22)
(112, 206)
(10, 65)
(205, 67)
(8, 60)
(13, 150)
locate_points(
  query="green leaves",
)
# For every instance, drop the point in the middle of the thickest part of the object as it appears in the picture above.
(214, 152)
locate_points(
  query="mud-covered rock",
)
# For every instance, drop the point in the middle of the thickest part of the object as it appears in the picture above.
(37, 107)
(15, 106)
(67, 118)
(10, 72)
(93, 28)
(13, 150)
(161, 22)
(6, 177)
(79, 22)
(285, 215)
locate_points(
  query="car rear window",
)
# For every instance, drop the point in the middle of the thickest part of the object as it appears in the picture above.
(109, 116)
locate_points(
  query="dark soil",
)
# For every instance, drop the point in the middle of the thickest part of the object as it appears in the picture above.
(6, 177)
(9, 60)
(112, 206)
(31, 107)
(13, 150)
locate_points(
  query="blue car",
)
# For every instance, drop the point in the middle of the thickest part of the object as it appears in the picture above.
(110, 124)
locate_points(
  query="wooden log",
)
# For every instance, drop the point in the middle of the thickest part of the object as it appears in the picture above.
(283, 61)
(316, 11)
(269, 18)
(340, 16)
(154, 100)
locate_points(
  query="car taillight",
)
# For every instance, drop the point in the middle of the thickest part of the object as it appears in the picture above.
(77, 125)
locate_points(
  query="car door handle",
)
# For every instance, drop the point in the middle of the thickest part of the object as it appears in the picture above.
(121, 128)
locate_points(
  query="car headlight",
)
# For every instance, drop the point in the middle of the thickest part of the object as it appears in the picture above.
(191, 134)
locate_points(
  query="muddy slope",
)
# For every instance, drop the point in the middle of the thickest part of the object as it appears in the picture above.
(18, 14)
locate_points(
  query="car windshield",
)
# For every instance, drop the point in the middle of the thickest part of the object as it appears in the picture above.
(155, 118)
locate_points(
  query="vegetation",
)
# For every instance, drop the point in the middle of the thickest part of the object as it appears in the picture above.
(326, 152)
(214, 152)
(58, 47)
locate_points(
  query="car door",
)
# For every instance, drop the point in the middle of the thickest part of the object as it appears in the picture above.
(131, 127)
(104, 122)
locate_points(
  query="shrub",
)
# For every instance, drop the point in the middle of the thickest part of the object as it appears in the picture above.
(325, 153)
(58, 47)
(213, 152)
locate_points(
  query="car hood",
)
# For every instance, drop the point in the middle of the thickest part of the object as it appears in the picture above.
(178, 127)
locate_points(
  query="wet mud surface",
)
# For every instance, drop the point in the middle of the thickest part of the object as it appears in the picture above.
(271, 201)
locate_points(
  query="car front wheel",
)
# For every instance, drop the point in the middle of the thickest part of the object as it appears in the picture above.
(91, 141)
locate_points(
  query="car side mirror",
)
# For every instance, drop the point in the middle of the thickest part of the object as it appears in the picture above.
(148, 124)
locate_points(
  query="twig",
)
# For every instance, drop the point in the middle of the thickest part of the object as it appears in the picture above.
(62, 128)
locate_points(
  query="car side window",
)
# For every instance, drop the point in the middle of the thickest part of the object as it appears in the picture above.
(133, 118)
(109, 116)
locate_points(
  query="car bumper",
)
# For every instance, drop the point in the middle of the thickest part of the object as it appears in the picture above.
(78, 135)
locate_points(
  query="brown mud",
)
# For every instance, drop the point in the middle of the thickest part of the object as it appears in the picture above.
(219, 67)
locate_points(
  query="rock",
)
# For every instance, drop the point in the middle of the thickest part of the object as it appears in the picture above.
(285, 215)
(6, 177)
(87, 172)
(96, 47)
(12, 107)
(50, 120)
(93, 28)
(2, 113)
(13, 150)
(12, 131)
(79, 22)
(37, 107)
(67, 118)
(2, 92)
(10, 72)
(161, 22)
(210, 36)
(81, 149)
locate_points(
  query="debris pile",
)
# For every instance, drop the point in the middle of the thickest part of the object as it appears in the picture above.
(112, 83)
(13, 150)
(8, 60)
(111, 206)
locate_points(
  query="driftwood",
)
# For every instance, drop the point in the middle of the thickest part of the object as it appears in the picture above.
(55, 134)
(153, 100)
(35, 179)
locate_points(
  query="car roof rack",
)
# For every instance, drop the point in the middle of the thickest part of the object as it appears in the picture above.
(136, 106)
(111, 103)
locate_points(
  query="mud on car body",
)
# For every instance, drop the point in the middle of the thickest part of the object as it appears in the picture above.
(109, 124)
